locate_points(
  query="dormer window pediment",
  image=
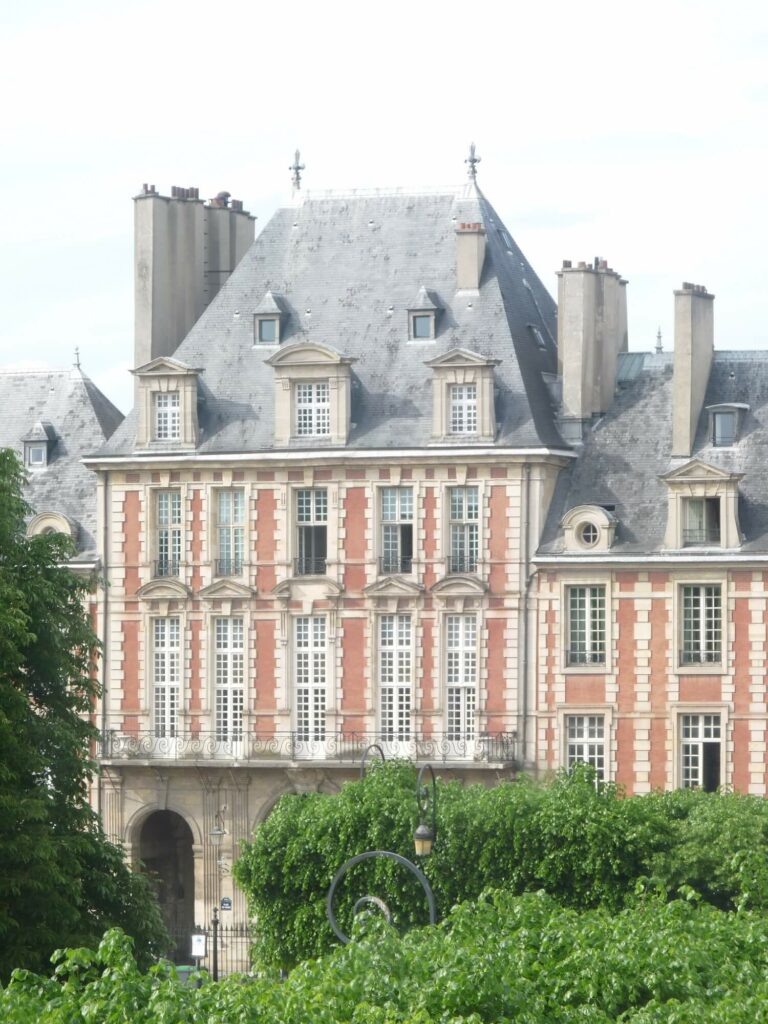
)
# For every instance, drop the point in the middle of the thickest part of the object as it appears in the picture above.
(167, 404)
(39, 443)
(463, 406)
(702, 507)
(312, 394)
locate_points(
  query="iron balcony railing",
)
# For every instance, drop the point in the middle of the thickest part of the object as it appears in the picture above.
(462, 563)
(395, 564)
(701, 535)
(229, 566)
(309, 566)
(166, 567)
(496, 748)
(584, 658)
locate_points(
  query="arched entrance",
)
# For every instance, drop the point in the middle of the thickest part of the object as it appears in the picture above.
(165, 850)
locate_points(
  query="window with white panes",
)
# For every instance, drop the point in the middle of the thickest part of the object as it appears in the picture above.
(701, 624)
(166, 676)
(586, 742)
(461, 676)
(230, 531)
(463, 409)
(700, 751)
(229, 675)
(396, 529)
(167, 416)
(463, 528)
(310, 645)
(701, 521)
(312, 531)
(586, 625)
(313, 409)
(395, 676)
(168, 532)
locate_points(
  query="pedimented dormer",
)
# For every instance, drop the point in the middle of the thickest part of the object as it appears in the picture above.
(703, 507)
(312, 394)
(166, 399)
(463, 408)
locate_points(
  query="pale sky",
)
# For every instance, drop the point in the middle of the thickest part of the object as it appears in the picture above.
(633, 132)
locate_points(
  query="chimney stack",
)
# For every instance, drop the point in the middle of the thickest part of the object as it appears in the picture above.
(470, 255)
(694, 349)
(591, 332)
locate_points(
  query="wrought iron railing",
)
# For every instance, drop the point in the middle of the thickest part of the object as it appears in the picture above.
(309, 566)
(395, 564)
(462, 563)
(229, 566)
(167, 567)
(233, 953)
(689, 656)
(701, 535)
(498, 747)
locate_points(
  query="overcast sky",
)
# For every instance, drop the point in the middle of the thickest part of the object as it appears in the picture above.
(633, 132)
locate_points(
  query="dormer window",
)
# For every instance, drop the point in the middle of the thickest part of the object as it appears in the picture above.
(167, 404)
(313, 390)
(463, 397)
(701, 525)
(725, 423)
(268, 318)
(589, 528)
(313, 409)
(422, 316)
(38, 445)
(167, 420)
(703, 503)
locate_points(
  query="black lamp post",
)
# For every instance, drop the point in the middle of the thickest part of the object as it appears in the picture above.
(426, 801)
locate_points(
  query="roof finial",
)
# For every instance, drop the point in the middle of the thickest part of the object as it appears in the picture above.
(77, 357)
(297, 168)
(472, 161)
(658, 341)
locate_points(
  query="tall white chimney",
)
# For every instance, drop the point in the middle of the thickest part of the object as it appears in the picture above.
(694, 349)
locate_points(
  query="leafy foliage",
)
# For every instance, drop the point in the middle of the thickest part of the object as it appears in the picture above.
(60, 879)
(501, 959)
(587, 846)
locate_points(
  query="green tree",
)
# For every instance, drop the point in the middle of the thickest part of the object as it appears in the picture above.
(61, 881)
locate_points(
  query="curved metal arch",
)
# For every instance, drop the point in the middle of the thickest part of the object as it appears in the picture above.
(366, 752)
(420, 876)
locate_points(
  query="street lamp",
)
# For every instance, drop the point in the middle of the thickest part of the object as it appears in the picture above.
(426, 801)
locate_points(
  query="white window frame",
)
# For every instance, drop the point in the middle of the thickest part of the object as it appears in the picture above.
(396, 510)
(42, 450)
(230, 507)
(166, 676)
(311, 681)
(593, 646)
(464, 518)
(461, 646)
(310, 514)
(586, 742)
(394, 633)
(228, 673)
(312, 400)
(168, 530)
(166, 416)
(706, 650)
(702, 521)
(684, 758)
(463, 409)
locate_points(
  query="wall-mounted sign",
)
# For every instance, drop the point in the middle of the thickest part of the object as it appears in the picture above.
(198, 945)
(226, 903)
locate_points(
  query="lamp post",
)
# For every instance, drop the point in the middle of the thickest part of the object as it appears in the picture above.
(423, 838)
(216, 836)
(215, 964)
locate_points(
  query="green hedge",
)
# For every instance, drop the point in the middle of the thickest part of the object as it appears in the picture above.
(586, 846)
(499, 960)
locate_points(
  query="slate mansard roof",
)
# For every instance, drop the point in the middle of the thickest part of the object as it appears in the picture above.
(345, 269)
(628, 451)
(66, 408)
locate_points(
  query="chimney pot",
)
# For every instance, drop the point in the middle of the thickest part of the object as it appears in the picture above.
(567, 264)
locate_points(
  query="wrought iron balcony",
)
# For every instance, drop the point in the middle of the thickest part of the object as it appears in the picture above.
(338, 748)
(701, 535)
(395, 564)
(462, 563)
(167, 567)
(689, 656)
(309, 566)
(584, 658)
(229, 566)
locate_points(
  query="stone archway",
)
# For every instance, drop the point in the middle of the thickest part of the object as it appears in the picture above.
(165, 850)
